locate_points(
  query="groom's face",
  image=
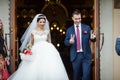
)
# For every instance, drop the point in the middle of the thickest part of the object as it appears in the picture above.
(76, 18)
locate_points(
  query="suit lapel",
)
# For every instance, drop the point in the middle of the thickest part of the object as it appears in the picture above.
(82, 34)
(82, 28)
(73, 30)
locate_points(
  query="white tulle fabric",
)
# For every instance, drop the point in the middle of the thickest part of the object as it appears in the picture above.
(45, 64)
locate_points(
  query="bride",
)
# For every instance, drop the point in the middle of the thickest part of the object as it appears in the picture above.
(45, 62)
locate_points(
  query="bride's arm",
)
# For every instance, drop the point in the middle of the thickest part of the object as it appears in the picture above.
(49, 38)
(31, 41)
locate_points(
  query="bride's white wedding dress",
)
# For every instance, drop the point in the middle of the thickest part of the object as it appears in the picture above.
(45, 63)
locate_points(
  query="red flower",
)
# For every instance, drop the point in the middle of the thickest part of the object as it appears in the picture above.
(84, 32)
(27, 52)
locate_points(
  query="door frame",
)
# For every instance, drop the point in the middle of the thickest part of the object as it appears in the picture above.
(96, 68)
(12, 34)
(96, 50)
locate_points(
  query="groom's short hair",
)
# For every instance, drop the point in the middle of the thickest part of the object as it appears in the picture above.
(76, 11)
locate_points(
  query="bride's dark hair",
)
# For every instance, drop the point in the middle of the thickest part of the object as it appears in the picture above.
(41, 17)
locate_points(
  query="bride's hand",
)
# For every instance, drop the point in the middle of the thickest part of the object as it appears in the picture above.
(29, 46)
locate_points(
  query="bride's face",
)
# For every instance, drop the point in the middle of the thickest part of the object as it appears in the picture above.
(41, 23)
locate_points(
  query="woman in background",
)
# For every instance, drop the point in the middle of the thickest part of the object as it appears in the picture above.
(3, 51)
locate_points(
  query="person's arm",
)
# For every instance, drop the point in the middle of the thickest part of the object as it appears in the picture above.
(49, 38)
(7, 58)
(92, 36)
(31, 41)
(117, 46)
(69, 39)
(5, 46)
(5, 49)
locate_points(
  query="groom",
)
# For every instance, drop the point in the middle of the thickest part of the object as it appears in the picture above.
(78, 37)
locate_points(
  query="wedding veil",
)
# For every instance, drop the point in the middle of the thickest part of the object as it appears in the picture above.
(26, 36)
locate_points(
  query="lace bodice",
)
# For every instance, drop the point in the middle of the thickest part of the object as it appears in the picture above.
(40, 35)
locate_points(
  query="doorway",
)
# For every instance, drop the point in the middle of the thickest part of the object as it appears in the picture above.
(58, 13)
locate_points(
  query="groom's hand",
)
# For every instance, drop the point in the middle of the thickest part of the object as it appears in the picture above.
(93, 36)
(71, 41)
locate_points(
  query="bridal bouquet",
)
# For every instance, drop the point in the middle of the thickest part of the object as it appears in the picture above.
(26, 55)
(27, 52)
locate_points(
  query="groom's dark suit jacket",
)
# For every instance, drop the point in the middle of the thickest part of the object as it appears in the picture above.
(85, 32)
